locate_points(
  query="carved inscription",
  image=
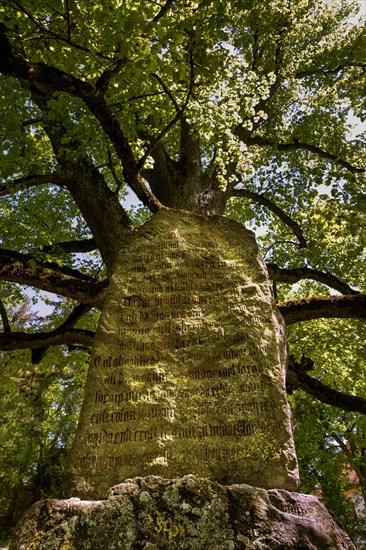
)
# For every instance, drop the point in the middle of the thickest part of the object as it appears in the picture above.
(187, 371)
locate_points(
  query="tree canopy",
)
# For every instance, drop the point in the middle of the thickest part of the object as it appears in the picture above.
(242, 109)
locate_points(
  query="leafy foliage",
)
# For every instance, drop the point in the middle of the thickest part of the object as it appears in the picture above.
(39, 411)
(331, 443)
(246, 109)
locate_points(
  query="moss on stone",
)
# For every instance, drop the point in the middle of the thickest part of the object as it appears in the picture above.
(188, 513)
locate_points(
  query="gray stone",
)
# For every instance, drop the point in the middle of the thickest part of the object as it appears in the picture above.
(188, 513)
(187, 375)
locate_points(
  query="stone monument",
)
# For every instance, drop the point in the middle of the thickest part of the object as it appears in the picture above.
(187, 374)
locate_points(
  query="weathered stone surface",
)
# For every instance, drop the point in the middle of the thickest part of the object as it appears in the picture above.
(187, 373)
(188, 513)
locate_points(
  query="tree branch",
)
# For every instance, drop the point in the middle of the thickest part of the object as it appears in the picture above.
(284, 275)
(167, 92)
(22, 340)
(352, 453)
(51, 80)
(326, 307)
(98, 204)
(178, 116)
(24, 269)
(334, 70)
(76, 314)
(263, 102)
(4, 317)
(70, 247)
(117, 180)
(68, 20)
(297, 145)
(41, 28)
(260, 199)
(40, 342)
(163, 10)
(324, 393)
(103, 81)
(31, 181)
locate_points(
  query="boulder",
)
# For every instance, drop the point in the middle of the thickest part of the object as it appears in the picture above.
(186, 513)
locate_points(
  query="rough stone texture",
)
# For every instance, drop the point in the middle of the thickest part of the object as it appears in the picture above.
(187, 374)
(187, 513)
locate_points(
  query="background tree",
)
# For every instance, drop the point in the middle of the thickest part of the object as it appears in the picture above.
(231, 108)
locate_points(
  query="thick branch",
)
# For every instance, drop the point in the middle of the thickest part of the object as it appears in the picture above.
(32, 181)
(24, 269)
(294, 275)
(98, 204)
(70, 247)
(324, 393)
(20, 340)
(51, 80)
(105, 78)
(327, 307)
(260, 199)
(76, 314)
(301, 146)
(4, 317)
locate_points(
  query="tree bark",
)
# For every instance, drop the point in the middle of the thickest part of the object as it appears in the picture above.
(323, 307)
(293, 275)
(10, 341)
(324, 393)
(24, 269)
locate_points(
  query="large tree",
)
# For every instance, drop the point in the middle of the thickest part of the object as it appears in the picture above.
(248, 110)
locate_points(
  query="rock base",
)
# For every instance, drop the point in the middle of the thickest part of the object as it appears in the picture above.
(192, 513)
